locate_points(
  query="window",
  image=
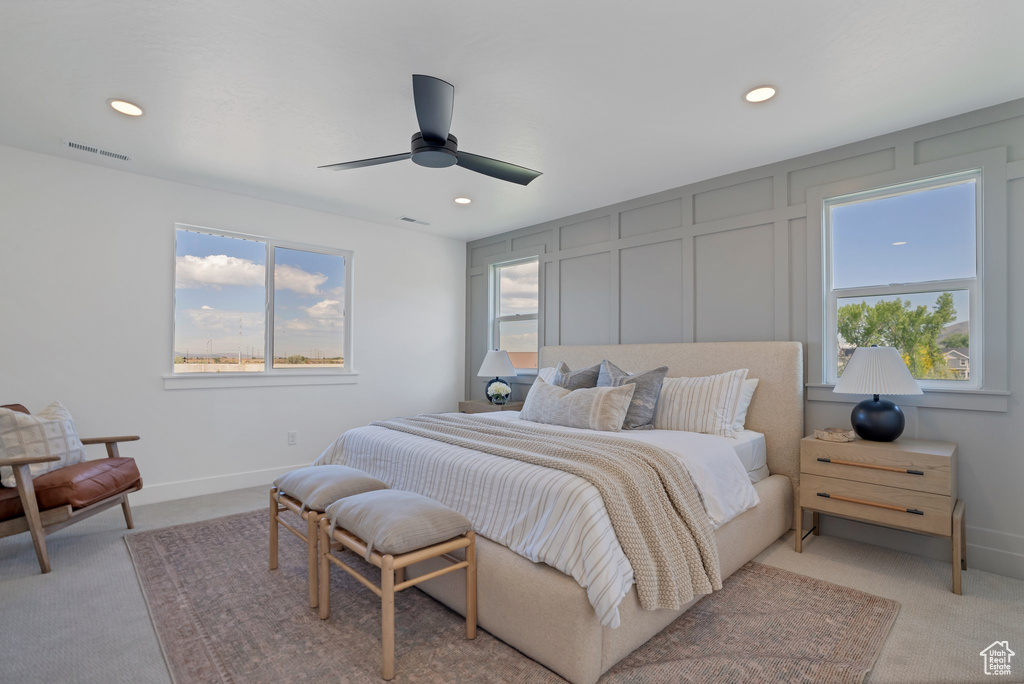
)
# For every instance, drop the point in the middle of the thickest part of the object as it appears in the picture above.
(515, 306)
(902, 271)
(251, 305)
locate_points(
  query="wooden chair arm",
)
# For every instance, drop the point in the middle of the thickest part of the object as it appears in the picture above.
(111, 443)
(110, 440)
(27, 460)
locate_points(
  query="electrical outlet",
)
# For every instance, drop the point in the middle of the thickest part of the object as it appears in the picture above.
(293, 438)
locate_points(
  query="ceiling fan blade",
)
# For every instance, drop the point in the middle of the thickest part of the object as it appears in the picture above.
(497, 169)
(368, 162)
(434, 100)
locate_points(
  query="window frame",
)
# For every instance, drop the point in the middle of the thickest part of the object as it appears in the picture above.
(993, 393)
(494, 285)
(973, 286)
(269, 375)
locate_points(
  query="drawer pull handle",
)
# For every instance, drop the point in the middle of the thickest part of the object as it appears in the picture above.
(891, 469)
(890, 507)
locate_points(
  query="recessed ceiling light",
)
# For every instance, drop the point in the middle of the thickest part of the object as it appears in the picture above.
(897, 244)
(760, 94)
(462, 200)
(126, 108)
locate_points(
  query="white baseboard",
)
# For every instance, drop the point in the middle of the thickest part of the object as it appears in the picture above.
(169, 491)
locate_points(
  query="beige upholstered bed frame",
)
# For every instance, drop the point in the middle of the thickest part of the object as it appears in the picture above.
(545, 613)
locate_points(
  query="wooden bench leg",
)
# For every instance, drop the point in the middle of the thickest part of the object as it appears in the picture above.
(387, 618)
(312, 561)
(23, 480)
(325, 570)
(471, 586)
(273, 528)
(798, 524)
(127, 510)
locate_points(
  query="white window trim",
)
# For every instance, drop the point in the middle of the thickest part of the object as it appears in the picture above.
(269, 376)
(493, 307)
(971, 285)
(993, 394)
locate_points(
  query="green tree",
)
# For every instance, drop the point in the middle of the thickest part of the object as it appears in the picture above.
(914, 331)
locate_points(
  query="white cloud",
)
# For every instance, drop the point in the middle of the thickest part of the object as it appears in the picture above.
(325, 309)
(518, 286)
(297, 280)
(216, 270)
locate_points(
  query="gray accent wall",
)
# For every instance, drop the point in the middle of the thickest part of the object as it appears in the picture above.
(727, 259)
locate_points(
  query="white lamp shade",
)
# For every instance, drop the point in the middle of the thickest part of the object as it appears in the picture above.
(496, 364)
(877, 370)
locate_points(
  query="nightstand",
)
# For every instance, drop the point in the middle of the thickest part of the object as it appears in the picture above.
(481, 406)
(909, 484)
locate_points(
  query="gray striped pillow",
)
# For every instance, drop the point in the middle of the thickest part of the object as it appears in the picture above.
(706, 404)
(593, 408)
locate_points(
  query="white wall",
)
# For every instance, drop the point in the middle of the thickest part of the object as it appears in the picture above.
(86, 275)
(728, 259)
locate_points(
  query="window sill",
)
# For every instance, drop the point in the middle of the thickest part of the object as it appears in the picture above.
(524, 377)
(964, 400)
(279, 379)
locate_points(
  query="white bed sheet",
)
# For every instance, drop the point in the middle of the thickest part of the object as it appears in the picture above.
(753, 452)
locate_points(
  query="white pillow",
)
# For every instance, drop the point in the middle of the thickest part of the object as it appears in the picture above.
(51, 432)
(707, 404)
(749, 385)
(591, 408)
(547, 374)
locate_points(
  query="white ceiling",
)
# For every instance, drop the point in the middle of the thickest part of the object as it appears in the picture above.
(611, 100)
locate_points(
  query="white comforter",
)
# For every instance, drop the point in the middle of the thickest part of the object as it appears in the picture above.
(544, 515)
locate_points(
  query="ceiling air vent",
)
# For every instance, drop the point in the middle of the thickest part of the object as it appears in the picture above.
(95, 150)
(410, 219)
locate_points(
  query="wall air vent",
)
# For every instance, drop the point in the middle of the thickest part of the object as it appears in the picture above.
(410, 219)
(95, 150)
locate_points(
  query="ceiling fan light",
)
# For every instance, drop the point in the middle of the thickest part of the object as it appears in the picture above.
(760, 94)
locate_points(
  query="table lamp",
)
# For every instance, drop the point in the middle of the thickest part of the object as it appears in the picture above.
(877, 370)
(496, 364)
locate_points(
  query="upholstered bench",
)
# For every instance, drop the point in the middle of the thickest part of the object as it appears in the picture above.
(393, 529)
(307, 492)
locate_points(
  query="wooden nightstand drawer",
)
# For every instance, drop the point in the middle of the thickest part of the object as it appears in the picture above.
(914, 464)
(929, 513)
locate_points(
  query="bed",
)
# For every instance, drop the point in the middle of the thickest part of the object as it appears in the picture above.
(546, 613)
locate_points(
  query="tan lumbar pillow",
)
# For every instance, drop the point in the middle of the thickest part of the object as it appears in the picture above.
(594, 408)
(51, 432)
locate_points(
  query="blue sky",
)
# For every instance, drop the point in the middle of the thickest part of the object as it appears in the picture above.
(220, 286)
(936, 228)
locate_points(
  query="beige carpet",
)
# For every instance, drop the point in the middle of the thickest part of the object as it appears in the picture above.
(221, 616)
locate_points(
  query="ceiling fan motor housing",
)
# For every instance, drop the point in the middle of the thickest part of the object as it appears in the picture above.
(432, 153)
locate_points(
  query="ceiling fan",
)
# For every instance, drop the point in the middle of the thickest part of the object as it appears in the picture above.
(434, 146)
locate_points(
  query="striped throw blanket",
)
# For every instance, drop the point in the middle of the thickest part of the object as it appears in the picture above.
(655, 508)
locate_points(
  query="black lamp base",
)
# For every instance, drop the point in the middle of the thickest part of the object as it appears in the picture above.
(878, 420)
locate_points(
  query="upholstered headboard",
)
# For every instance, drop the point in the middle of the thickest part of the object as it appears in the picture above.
(777, 409)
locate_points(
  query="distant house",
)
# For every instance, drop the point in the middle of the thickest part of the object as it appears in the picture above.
(958, 361)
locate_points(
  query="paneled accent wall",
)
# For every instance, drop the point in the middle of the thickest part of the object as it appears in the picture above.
(727, 259)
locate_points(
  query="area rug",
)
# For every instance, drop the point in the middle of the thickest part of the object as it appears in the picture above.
(221, 616)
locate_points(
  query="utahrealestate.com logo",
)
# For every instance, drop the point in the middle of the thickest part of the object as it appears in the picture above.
(997, 658)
